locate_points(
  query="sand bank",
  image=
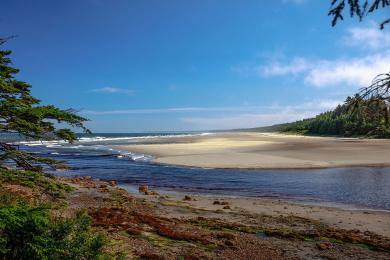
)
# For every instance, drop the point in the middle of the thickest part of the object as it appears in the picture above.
(266, 151)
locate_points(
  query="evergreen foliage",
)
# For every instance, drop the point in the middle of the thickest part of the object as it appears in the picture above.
(31, 233)
(356, 117)
(380, 86)
(357, 8)
(22, 113)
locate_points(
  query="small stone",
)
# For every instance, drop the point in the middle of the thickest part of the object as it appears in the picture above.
(134, 231)
(112, 183)
(224, 203)
(324, 245)
(187, 198)
(229, 243)
(216, 202)
(143, 189)
(227, 207)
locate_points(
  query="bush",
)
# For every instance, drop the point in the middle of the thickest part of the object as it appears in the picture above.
(31, 233)
(37, 181)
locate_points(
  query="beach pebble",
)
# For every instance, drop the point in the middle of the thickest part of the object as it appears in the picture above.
(143, 189)
(324, 245)
(112, 183)
(187, 198)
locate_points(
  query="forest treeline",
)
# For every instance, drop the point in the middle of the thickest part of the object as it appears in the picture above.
(356, 117)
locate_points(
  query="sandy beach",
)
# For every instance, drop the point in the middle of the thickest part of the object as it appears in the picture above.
(377, 221)
(265, 151)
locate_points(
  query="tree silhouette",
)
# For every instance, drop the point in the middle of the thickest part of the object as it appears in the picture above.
(357, 8)
(379, 89)
(21, 113)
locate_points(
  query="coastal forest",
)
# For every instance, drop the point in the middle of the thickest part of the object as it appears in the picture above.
(356, 117)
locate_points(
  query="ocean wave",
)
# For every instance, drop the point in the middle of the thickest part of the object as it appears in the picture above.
(105, 139)
(135, 156)
(94, 139)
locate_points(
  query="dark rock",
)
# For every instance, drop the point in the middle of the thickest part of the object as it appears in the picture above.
(187, 198)
(324, 245)
(112, 183)
(143, 189)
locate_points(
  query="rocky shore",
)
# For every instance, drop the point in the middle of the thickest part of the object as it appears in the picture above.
(152, 226)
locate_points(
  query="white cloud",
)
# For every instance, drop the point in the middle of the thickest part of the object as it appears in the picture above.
(357, 72)
(369, 37)
(294, 67)
(318, 105)
(112, 90)
(238, 116)
(354, 72)
(247, 120)
(163, 110)
(276, 114)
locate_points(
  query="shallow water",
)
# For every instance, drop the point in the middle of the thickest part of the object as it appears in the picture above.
(360, 187)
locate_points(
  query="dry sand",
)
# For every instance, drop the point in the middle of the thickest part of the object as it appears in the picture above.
(266, 151)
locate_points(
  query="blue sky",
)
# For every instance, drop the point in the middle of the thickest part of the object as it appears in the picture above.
(152, 65)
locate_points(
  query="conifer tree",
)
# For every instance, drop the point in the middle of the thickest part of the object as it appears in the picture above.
(21, 113)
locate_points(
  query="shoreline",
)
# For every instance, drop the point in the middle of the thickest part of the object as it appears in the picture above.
(254, 151)
(373, 220)
(133, 189)
(387, 165)
(147, 225)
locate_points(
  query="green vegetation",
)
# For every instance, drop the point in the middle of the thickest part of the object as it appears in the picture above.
(21, 113)
(32, 233)
(357, 117)
(31, 226)
(36, 181)
(29, 229)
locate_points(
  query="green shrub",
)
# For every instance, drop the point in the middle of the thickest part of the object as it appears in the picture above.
(31, 233)
(34, 180)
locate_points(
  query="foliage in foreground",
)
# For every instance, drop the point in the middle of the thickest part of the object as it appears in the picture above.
(31, 233)
(43, 182)
(28, 230)
(21, 113)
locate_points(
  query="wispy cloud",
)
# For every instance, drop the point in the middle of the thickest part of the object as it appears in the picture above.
(294, 67)
(245, 120)
(112, 90)
(368, 37)
(235, 116)
(355, 72)
(276, 114)
(169, 110)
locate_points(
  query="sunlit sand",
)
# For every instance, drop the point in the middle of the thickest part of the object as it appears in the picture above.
(266, 151)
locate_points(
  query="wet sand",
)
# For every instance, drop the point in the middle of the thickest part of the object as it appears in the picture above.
(376, 221)
(266, 151)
